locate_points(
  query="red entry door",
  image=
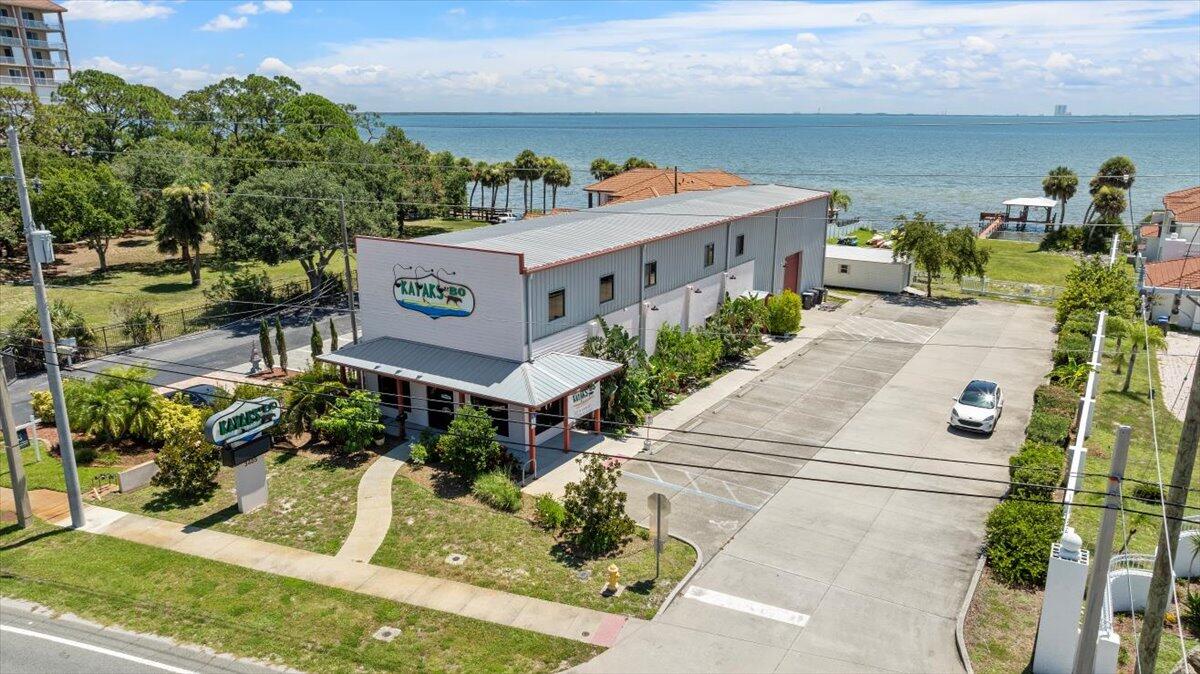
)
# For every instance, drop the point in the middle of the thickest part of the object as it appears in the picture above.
(791, 271)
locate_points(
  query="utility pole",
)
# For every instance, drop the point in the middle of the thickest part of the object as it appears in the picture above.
(38, 244)
(16, 469)
(1162, 583)
(346, 265)
(1085, 653)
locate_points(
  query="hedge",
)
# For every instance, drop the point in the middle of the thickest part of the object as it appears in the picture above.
(1051, 429)
(1056, 399)
(1019, 536)
(1037, 470)
(1072, 345)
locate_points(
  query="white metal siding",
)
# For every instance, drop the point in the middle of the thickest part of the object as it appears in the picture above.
(581, 280)
(802, 229)
(886, 277)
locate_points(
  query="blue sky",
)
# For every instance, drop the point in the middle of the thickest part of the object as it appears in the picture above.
(1135, 56)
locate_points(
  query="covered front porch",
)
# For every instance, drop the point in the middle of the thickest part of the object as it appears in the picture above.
(533, 404)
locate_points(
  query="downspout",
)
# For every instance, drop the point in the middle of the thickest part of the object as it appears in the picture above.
(725, 271)
(641, 276)
(528, 324)
(775, 253)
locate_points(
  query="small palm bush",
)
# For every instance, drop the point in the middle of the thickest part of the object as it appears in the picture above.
(497, 490)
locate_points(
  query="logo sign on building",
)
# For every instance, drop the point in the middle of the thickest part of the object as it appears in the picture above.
(585, 401)
(432, 293)
(243, 420)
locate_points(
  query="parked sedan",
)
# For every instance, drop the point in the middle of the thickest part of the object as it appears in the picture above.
(979, 407)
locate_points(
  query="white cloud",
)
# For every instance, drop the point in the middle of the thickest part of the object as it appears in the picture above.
(248, 8)
(114, 11)
(865, 18)
(934, 32)
(223, 22)
(457, 11)
(277, 6)
(978, 45)
(807, 38)
(173, 80)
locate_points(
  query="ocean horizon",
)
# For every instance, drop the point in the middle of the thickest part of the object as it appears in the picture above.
(951, 167)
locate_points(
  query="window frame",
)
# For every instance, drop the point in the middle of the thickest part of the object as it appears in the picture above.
(843, 268)
(710, 254)
(612, 288)
(650, 274)
(740, 245)
(550, 304)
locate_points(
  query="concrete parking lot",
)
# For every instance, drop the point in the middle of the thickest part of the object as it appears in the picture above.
(805, 575)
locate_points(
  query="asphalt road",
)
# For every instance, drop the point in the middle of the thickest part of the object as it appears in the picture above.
(219, 348)
(34, 642)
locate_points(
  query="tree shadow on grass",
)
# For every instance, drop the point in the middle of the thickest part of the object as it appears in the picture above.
(11, 528)
(209, 521)
(167, 288)
(449, 486)
(164, 500)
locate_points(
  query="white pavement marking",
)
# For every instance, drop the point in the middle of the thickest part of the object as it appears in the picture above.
(744, 605)
(691, 490)
(96, 649)
(865, 326)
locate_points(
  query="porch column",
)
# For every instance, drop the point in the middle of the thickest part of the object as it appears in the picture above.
(566, 427)
(532, 439)
(596, 420)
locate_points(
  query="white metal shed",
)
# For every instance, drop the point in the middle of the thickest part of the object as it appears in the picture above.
(865, 268)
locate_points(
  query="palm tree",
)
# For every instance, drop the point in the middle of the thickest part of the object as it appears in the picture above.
(1060, 183)
(1150, 340)
(637, 162)
(839, 201)
(1116, 172)
(528, 168)
(310, 396)
(602, 168)
(1108, 204)
(186, 218)
(558, 175)
(546, 166)
(140, 410)
(506, 173)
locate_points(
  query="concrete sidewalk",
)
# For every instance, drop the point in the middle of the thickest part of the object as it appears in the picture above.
(815, 324)
(501, 608)
(373, 514)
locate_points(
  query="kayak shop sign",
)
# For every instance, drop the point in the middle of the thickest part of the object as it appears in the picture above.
(242, 421)
(586, 400)
(432, 293)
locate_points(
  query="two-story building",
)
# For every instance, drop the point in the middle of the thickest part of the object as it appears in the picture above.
(497, 316)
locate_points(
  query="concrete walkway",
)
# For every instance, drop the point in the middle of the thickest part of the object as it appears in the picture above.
(501, 608)
(815, 324)
(1175, 366)
(373, 517)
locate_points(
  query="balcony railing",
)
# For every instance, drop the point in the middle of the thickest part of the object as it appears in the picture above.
(7, 21)
(41, 25)
(15, 81)
(10, 60)
(45, 44)
(47, 63)
(10, 41)
(42, 82)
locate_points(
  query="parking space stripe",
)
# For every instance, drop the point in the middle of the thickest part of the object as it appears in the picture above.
(696, 492)
(750, 606)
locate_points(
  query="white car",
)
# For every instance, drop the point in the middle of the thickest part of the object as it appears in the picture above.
(978, 408)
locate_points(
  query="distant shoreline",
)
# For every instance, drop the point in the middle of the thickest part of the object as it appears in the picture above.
(779, 114)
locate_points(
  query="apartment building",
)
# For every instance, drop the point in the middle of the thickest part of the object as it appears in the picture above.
(33, 38)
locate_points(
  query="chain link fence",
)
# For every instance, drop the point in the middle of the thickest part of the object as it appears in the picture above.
(1013, 290)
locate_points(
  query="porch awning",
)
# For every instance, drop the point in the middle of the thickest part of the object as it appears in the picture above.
(530, 384)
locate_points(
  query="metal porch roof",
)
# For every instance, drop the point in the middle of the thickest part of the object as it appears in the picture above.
(530, 384)
(555, 239)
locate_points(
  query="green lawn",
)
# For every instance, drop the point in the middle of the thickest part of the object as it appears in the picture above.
(1017, 261)
(312, 504)
(252, 614)
(508, 553)
(863, 236)
(431, 226)
(47, 473)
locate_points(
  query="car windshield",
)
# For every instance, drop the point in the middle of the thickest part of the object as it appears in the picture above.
(978, 395)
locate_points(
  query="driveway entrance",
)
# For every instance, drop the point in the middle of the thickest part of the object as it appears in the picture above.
(804, 575)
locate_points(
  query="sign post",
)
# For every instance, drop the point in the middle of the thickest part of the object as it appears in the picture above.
(660, 507)
(239, 430)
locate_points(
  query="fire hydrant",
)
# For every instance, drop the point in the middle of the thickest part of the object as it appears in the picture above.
(614, 580)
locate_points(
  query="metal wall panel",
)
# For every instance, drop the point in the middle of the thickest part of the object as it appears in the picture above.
(802, 228)
(581, 280)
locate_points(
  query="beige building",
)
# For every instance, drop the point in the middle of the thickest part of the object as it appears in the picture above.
(34, 43)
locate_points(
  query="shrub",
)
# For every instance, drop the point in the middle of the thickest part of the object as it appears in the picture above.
(551, 515)
(625, 395)
(783, 313)
(187, 462)
(1079, 326)
(352, 423)
(1092, 285)
(244, 288)
(1055, 399)
(738, 323)
(43, 406)
(1063, 238)
(497, 490)
(1051, 429)
(25, 333)
(596, 522)
(1191, 612)
(469, 446)
(1037, 470)
(139, 322)
(1072, 346)
(682, 358)
(1019, 536)
(1146, 493)
(309, 396)
(418, 454)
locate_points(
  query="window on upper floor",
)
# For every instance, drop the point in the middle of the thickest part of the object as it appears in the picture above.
(651, 274)
(710, 254)
(607, 288)
(558, 304)
(740, 247)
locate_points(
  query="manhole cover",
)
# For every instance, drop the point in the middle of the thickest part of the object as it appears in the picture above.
(584, 575)
(386, 633)
(456, 559)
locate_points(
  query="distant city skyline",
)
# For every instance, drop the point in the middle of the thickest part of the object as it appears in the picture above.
(1122, 57)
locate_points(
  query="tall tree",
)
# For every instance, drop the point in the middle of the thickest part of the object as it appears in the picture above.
(281, 345)
(264, 343)
(292, 214)
(114, 112)
(920, 240)
(528, 169)
(964, 255)
(86, 202)
(839, 202)
(1060, 183)
(314, 119)
(153, 165)
(602, 168)
(637, 162)
(188, 216)
(557, 175)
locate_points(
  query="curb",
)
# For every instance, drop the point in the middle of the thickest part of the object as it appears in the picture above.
(683, 581)
(959, 637)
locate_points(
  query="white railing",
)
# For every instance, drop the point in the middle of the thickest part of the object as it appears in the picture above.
(41, 25)
(10, 41)
(7, 21)
(10, 60)
(15, 81)
(45, 44)
(47, 63)
(1087, 403)
(1131, 561)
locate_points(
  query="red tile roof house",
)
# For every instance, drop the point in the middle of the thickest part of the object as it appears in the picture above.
(1173, 231)
(646, 183)
(1173, 289)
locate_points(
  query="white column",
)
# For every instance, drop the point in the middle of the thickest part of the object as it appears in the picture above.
(686, 319)
(1058, 627)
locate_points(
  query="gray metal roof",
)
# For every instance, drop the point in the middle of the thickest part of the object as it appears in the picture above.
(861, 254)
(554, 239)
(532, 384)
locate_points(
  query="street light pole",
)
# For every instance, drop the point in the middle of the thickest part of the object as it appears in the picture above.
(346, 266)
(34, 242)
